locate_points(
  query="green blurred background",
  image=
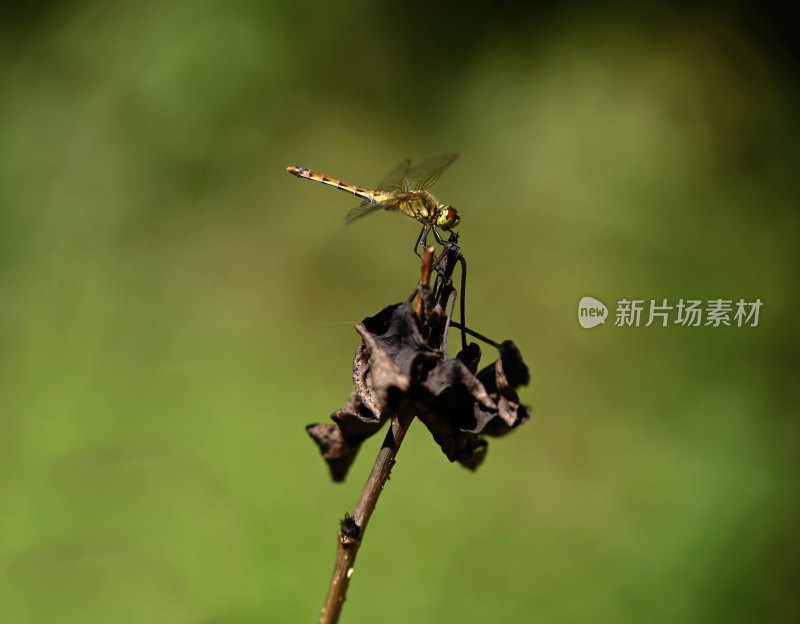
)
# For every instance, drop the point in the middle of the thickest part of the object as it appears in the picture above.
(174, 308)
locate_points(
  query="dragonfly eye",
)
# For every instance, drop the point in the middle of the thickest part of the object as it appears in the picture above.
(448, 218)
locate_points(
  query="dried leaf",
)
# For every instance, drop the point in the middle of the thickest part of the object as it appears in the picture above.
(395, 361)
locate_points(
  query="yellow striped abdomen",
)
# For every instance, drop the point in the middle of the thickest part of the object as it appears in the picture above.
(359, 191)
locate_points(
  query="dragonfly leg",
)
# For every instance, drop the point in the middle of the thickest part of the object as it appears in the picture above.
(422, 239)
(438, 237)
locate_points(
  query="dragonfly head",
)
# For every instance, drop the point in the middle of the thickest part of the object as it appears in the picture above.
(448, 218)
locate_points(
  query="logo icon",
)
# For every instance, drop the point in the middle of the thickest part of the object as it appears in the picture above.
(591, 312)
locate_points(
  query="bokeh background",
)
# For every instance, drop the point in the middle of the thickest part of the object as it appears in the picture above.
(174, 308)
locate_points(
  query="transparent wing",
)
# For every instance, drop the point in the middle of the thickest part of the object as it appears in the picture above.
(395, 178)
(362, 210)
(425, 175)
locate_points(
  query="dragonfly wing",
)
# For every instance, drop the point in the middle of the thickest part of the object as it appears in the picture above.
(425, 175)
(362, 210)
(395, 178)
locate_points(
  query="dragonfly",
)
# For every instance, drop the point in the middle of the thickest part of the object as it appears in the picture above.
(403, 190)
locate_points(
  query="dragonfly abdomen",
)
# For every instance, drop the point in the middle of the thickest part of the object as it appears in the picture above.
(359, 191)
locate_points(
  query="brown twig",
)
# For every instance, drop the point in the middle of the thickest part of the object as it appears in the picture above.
(424, 277)
(395, 356)
(352, 527)
(351, 530)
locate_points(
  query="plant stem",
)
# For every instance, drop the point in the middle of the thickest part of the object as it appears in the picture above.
(351, 530)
